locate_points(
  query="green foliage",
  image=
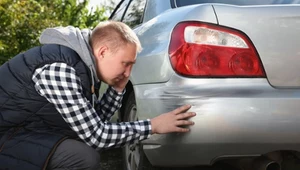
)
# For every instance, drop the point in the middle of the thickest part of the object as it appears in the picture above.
(22, 21)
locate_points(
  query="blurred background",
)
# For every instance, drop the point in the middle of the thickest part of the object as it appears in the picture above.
(22, 21)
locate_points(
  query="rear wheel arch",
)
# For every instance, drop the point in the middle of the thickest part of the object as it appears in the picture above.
(134, 157)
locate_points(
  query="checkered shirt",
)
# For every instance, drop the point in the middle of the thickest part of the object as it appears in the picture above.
(59, 84)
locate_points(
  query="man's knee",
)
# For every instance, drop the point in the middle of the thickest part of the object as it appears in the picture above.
(91, 159)
(72, 154)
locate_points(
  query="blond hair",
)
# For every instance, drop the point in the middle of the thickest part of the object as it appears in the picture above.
(115, 34)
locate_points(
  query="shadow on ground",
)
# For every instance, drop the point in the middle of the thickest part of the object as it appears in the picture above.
(111, 159)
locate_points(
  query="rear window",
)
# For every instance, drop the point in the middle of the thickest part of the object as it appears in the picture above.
(180, 3)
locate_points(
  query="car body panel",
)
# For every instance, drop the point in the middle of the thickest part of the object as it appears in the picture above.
(155, 38)
(154, 8)
(235, 117)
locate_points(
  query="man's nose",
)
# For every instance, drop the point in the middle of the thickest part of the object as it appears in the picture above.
(127, 71)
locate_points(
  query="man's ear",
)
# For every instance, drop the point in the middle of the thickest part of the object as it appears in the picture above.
(100, 52)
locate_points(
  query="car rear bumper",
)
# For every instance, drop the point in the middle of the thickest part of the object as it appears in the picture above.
(235, 117)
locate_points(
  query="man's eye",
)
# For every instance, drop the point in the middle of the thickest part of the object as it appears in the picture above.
(126, 64)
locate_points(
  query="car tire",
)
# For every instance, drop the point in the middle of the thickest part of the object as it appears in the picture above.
(133, 156)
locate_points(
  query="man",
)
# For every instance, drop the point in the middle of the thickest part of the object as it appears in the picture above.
(49, 114)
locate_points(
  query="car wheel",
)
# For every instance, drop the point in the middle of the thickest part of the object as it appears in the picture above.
(133, 155)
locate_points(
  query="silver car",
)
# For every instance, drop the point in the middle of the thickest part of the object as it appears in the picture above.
(237, 62)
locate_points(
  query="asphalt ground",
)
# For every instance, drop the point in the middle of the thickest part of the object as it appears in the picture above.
(111, 159)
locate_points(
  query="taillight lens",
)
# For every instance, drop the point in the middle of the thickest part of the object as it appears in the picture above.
(205, 50)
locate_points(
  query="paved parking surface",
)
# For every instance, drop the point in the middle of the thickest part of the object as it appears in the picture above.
(111, 159)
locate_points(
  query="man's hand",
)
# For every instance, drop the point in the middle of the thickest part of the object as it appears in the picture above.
(171, 121)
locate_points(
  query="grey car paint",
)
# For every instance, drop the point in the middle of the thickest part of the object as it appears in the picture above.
(236, 117)
(155, 38)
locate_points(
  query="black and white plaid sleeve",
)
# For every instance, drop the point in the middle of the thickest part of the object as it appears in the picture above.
(59, 84)
(109, 104)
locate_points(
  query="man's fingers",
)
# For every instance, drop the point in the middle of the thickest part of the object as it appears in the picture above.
(185, 115)
(173, 121)
(181, 130)
(184, 123)
(182, 109)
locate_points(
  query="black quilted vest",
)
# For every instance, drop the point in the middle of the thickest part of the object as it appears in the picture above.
(30, 126)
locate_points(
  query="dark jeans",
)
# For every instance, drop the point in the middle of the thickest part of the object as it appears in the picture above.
(74, 155)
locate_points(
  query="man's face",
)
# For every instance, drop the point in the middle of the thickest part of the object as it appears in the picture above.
(115, 65)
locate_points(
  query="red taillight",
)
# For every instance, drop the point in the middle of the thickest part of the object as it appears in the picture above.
(204, 50)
